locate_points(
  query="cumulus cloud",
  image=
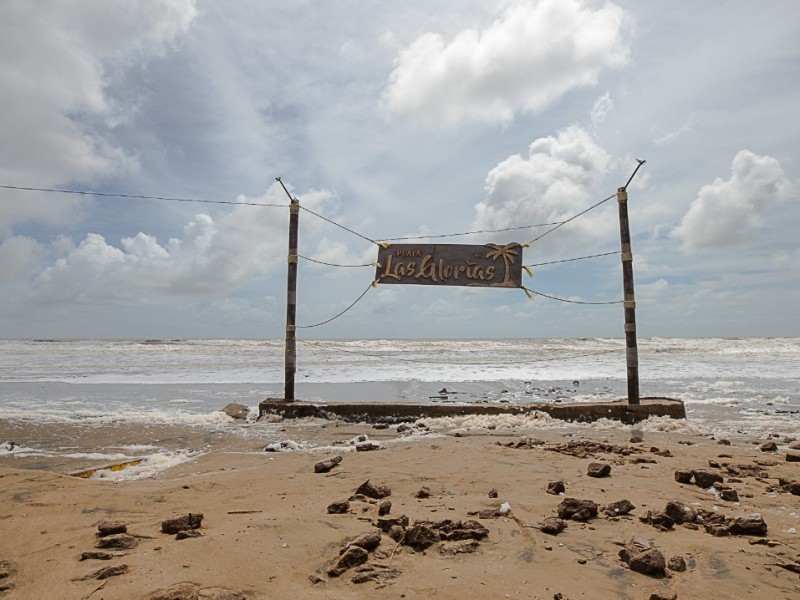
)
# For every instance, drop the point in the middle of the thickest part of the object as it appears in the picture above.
(534, 53)
(213, 257)
(554, 182)
(59, 59)
(727, 212)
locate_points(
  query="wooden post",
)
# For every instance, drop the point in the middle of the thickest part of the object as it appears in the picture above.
(629, 302)
(290, 359)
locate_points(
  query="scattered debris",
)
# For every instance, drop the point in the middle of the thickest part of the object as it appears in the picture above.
(106, 528)
(326, 465)
(339, 508)
(182, 523)
(577, 510)
(553, 525)
(423, 492)
(236, 411)
(642, 557)
(618, 508)
(97, 556)
(120, 541)
(105, 573)
(374, 490)
(598, 470)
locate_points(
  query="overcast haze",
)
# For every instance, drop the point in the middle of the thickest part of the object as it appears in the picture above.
(396, 119)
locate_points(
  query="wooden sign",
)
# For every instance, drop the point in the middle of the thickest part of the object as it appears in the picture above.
(489, 265)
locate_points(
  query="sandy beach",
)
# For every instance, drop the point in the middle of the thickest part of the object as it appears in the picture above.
(267, 532)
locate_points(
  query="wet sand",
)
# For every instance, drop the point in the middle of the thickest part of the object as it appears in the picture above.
(266, 531)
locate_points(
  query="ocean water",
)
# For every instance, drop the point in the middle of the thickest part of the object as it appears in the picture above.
(742, 386)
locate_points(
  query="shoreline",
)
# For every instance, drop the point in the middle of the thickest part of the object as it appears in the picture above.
(266, 531)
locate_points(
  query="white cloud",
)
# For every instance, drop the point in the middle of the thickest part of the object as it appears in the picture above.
(727, 212)
(59, 58)
(18, 255)
(552, 184)
(534, 53)
(212, 257)
(601, 109)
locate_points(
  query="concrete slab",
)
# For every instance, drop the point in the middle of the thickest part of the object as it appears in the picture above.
(390, 412)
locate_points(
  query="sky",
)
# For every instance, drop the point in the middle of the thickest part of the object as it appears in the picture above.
(395, 120)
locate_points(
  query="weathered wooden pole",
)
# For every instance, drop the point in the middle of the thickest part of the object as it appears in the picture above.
(290, 359)
(629, 302)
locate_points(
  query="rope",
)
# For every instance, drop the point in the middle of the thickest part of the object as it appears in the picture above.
(444, 235)
(553, 262)
(320, 262)
(529, 291)
(411, 360)
(137, 196)
(364, 293)
(572, 218)
(363, 237)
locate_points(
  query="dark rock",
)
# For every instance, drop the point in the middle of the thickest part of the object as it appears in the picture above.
(556, 487)
(680, 513)
(188, 521)
(794, 446)
(95, 556)
(367, 447)
(380, 426)
(368, 541)
(315, 579)
(492, 493)
(677, 563)
(641, 556)
(423, 492)
(120, 541)
(791, 457)
(598, 470)
(384, 508)
(664, 452)
(618, 508)
(104, 573)
(185, 534)
(768, 447)
(553, 525)
(111, 528)
(338, 508)
(705, 480)
(636, 439)
(352, 557)
(729, 495)
(381, 574)
(236, 410)
(326, 465)
(724, 442)
(107, 572)
(664, 596)
(683, 476)
(713, 464)
(397, 533)
(489, 513)
(459, 547)
(386, 524)
(190, 591)
(577, 510)
(421, 536)
(749, 525)
(374, 490)
(649, 562)
(659, 520)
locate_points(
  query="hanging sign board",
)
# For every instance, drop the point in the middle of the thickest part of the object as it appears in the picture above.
(488, 265)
